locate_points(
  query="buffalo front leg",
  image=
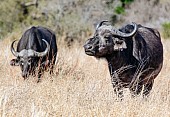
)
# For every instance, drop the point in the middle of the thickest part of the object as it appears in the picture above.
(119, 92)
(39, 76)
(51, 68)
(52, 63)
(147, 88)
(117, 85)
(118, 88)
(136, 89)
(40, 73)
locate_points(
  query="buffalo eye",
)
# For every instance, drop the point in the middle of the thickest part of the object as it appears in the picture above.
(97, 42)
(107, 36)
(107, 41)
(22, 63)
(29, 61)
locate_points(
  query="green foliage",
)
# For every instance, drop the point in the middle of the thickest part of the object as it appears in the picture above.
(16, 17)
(166, 30)
(126, 1)
(73, 19)
(11, 16)
(65, 21)
(119, 10)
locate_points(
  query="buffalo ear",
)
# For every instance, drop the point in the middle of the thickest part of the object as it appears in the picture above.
(139, 48)
(14, 62)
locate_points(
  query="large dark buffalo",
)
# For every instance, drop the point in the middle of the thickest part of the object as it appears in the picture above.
(36, 49)
(134, 54)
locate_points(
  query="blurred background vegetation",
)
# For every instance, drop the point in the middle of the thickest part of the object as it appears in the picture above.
(76, 19)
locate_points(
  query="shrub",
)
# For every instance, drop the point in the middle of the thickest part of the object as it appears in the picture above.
(119, 10)
(166, 30)
(13, 16)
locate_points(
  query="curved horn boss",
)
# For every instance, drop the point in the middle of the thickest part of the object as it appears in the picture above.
(101, 23)
(15, 53)
(44, 53)
(121, 34)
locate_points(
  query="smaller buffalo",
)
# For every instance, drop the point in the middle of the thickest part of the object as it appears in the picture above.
(37, 48)
(134, 54)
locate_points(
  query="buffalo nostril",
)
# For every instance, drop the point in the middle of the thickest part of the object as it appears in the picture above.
(89, 47)
(119, 42)
(24, 75)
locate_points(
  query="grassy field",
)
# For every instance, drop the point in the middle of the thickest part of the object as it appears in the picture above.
(80, 87)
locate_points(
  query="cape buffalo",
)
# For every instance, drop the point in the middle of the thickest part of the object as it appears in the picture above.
(134, 54)
(37, 48)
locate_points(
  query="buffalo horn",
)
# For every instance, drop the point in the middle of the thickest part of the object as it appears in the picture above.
(44, 53)
(13, 50)
(121, 34)
(101, 23)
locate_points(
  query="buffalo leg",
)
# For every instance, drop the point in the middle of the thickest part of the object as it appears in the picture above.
(119, 92)
(52, 64)
(147, 88)
(40, 72)
(117, 85)
(39, 77)
(51, 68)
(118, 89)
(136, 90)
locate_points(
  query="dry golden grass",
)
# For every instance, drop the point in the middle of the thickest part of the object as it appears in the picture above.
(80, 87)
